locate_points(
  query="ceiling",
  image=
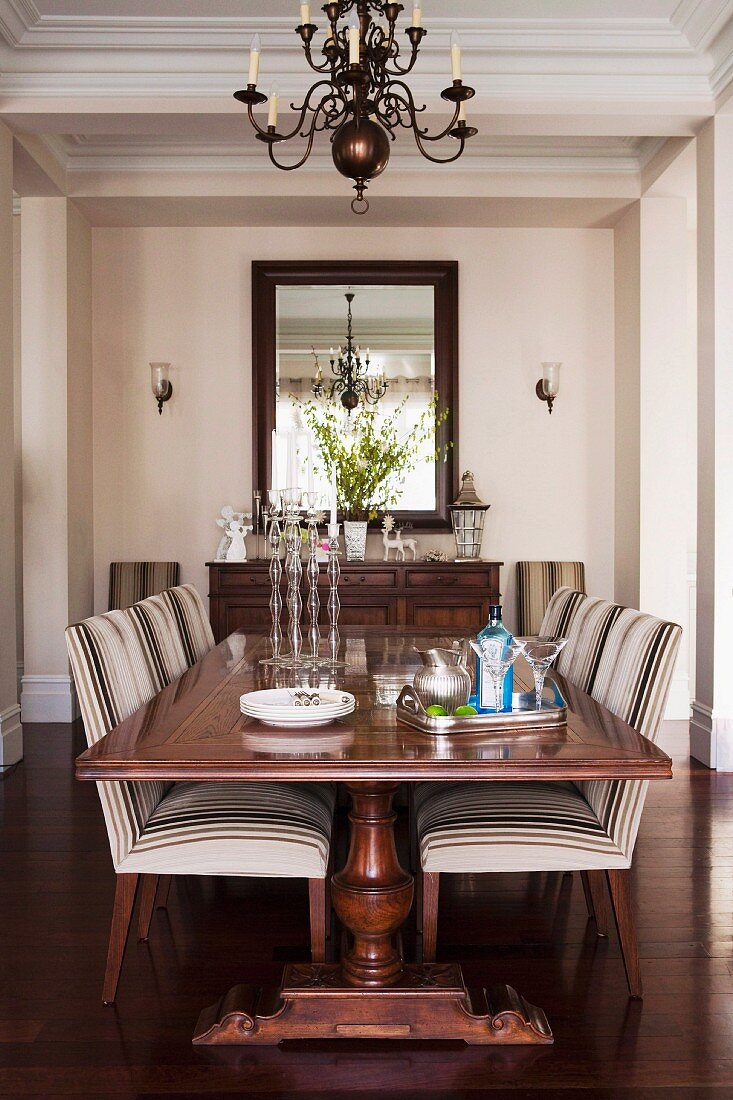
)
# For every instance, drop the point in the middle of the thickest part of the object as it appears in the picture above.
(126, 106)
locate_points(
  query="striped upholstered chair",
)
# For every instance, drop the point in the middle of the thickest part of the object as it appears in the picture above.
(158, 828)
(560, 613)
(189, 615)
(537, 581)
(587, 634)
(132, 581)
(545, 826)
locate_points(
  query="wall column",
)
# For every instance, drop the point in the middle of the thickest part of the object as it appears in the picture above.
(652, 444)
(11, 738)
(711, 730)
(57, 448)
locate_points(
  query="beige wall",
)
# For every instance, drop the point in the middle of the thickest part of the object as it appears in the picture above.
(628, 406)
(17, 429)
(183, 295)
(8, 692)
(58, 529)
(79, 457)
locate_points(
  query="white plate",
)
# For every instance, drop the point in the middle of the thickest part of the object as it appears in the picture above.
(275, 707)
(324, 708)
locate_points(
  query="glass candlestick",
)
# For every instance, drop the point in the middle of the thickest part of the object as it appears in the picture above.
(334, 604)
(276, 572)
(314, 601)
(294, 572)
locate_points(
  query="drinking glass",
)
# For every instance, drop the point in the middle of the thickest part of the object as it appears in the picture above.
(498, 659)
(539, 654)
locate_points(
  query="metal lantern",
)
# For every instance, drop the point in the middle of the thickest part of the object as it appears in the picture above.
(468, 514)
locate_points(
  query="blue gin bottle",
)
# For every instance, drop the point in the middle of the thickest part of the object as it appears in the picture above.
(485, 701)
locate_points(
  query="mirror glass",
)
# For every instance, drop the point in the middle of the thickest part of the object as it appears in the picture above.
(397, 325)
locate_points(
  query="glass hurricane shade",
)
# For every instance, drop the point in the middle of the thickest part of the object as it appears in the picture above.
(551, 379)
(160, 383)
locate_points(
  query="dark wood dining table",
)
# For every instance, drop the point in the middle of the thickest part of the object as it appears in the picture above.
(194, 730)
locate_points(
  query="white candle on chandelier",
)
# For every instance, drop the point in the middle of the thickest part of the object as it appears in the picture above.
(305, 14)
(455, 55)
(417, 16)
(354, 35)
(274, 104)
(254, 60)
(333, 495)
(462, 112)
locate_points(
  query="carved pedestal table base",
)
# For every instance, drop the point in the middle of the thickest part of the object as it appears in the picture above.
(372, 994)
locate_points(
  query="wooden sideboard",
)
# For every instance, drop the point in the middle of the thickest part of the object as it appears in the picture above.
(372, 593)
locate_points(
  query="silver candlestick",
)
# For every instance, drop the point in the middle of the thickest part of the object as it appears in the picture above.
(294, 573)
(314, 601)
(334, 604)
(276, 572)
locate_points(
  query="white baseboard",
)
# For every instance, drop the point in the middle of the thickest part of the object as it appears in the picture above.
(711, 738)
(678, 704)
(11, 736)
(48, 699)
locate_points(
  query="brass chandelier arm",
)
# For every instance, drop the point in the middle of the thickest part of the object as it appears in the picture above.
(311, 133)
(324, 68)
(413, 111)
(265, 134)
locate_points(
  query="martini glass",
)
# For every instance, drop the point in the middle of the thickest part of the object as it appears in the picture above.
(539, 653)
(498, 659)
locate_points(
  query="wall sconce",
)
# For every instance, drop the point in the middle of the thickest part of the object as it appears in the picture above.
(548, 386)
(161, 384)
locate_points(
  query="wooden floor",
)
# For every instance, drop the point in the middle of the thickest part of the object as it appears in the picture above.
(56, 1038)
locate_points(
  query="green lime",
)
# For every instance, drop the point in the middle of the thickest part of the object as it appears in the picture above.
(436, 711)
(461, 712)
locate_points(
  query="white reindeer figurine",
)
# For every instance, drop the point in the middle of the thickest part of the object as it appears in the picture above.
(396, 542)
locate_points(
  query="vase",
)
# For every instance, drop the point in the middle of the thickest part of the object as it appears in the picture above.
(355, 535)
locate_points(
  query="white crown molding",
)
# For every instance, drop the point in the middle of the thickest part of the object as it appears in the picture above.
(700, 21)
(35, 31)
(16, 19)
(612, 88)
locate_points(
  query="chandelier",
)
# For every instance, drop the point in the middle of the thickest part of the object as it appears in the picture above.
(361, 99)
(350, 373)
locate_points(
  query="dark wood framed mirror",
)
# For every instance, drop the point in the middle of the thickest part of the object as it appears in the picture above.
(406, 310)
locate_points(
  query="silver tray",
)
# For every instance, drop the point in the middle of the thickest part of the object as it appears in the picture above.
(522, 718)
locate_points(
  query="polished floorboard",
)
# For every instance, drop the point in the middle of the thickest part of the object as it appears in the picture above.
(57, 1039)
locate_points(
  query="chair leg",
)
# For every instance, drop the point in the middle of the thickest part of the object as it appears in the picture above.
(597, 887)
(430, 886)
(318, 917)
(164, 889)
(125, 891)
(148, 890)
(619, 884)
(594, 889)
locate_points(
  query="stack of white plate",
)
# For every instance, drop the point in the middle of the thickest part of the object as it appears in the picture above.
(276, 707)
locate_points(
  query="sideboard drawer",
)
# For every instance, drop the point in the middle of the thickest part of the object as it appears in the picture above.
(452, 577)
(363, 578)
(243, 578)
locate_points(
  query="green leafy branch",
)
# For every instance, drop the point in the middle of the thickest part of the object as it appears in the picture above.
(373, 460)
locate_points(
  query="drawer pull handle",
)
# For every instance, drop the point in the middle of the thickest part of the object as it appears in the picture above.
(446, 580)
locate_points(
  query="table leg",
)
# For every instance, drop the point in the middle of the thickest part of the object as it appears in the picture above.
(372, 993)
